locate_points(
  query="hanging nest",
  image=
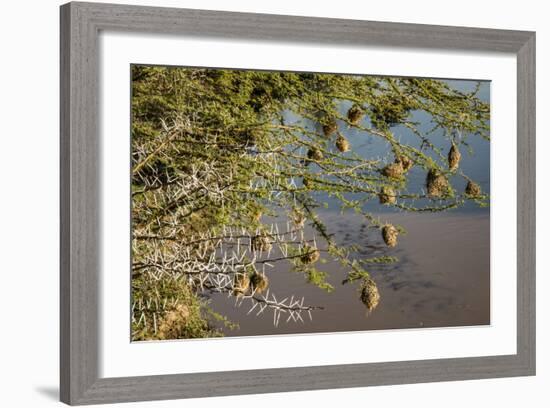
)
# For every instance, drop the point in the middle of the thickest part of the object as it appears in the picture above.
(454, 157)
(393, 170)
(355, 114)
(342, 143)
(172, 324)
(330, 127)
(315, 154)
(369, 294)
(390, 233)
(387, 195)
(472, 189)
(389, 111)
(259, 282)
(261, 243)
(310, 255)
(241, 283)
(436, 184)
(406, 162)
(250, 137)
(308, 182)
(298, 218)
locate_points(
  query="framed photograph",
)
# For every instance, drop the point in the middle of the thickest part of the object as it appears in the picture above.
(261, 203)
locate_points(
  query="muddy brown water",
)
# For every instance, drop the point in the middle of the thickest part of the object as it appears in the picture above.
(442, 279)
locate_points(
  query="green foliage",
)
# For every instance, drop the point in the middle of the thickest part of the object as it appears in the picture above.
(318, 278)
(169, 309)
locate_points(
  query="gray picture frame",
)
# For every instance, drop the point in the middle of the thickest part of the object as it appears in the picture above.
(80, 237)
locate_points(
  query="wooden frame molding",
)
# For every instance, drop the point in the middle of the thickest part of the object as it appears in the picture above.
(80, 191)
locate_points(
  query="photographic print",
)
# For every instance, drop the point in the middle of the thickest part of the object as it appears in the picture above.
(268, 203)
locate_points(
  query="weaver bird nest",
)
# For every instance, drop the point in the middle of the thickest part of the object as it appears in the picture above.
(393, 170)
(389, 234)
(406, 162)
(342, 143)
(355, 114)
(454, 157)
(330, 127)
(315, 154)
(389, 111)
(436, 183)
(249, 137)
(472, 189)
(261, 243)
(241, 283)
(369, 294)
(298, 218)
(259, 282)
(310, 255)
(387, 195)
(308, 182)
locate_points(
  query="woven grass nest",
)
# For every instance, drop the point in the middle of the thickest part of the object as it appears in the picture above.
(261, 243)
(241, 283)
(436, 183)
(310, 255)
(389, 234)
(298, 218)
(393, 170)
(330, 127)
(355, 114)
(251, 136)
(389, 111)
(387, 195)
(315, 154)
(454, 157)
(307, 182)
(369, 294)
(342, 143)
(472, 189)
(406, 162)
(259, 282)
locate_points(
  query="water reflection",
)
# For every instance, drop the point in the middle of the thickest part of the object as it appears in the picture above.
(442, 279)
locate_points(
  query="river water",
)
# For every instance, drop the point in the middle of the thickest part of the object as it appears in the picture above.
(442, 279)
